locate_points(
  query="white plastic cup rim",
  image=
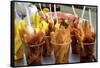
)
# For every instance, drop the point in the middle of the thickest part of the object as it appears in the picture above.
(89, 43)
(60, 44)
(36, 45)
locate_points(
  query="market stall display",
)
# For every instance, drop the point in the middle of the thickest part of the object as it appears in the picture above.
(43, 33)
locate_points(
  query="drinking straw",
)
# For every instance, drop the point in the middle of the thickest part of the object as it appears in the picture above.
(41, 10)
(55, 12)
(83, 12)
(46, 14)
(50, 8)
(28, 19)
(83, 50)
(51, 14)
(82, 15)
(25, 62)
(74, 10)
(90, 19)
(28, 16)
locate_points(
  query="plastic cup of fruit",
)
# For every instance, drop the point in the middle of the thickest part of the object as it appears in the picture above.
(61, 52)
(34, 53)
(75, 46)
(86, 54)
(47, 48)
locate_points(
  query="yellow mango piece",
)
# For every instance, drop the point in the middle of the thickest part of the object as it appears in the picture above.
(44, 25)
(18, 44)
(36, 20)
(21, 24)
(46, 10)
(37, 29)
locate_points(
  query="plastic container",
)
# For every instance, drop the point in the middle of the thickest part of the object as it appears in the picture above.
(75, 46)
(61, 52)
(34, 53)
(86, 53)
(47, 48)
